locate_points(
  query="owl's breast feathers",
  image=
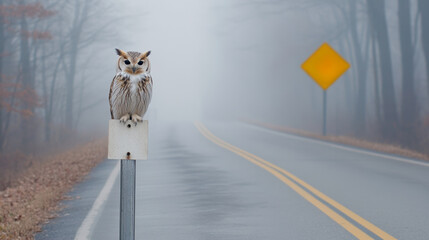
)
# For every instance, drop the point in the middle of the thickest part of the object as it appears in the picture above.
(130, 94)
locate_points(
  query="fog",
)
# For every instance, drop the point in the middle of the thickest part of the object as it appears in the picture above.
(221, 59)
(232, 61)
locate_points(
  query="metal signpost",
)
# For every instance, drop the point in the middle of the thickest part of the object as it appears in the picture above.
(325, 66)
(324, 112)
(129, 143)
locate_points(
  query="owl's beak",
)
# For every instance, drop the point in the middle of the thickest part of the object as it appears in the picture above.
(134, 69)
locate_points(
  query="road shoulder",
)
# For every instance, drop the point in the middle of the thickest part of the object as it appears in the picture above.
(80, 201)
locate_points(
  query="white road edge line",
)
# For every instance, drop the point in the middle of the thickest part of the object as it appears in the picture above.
(84, 231)
(352, 149)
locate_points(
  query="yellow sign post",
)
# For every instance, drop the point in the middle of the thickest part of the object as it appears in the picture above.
(325, 66)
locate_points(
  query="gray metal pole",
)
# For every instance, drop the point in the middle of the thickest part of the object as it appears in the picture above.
(128, 199)
(324, 112)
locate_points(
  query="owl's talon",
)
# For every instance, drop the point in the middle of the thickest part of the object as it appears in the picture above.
(124, 118)
(136, 118)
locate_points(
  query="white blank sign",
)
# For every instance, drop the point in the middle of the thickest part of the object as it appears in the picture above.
(127, 138)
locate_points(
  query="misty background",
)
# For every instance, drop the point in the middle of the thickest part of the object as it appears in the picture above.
(213, 60)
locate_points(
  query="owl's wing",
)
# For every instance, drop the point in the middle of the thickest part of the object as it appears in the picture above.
(110, 97)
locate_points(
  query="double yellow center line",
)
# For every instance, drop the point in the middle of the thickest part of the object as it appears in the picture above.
(292, 181)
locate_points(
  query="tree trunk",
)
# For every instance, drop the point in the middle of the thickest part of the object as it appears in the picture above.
(2, 44)
(408, 103)
(80, 17)
(50, 102)
(424, 6)
(28, 84)
(375, 64)
(360, 65)
(70, 87)
(377, 18)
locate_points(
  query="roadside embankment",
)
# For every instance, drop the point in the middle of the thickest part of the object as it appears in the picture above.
(346, 140)
(34, 198)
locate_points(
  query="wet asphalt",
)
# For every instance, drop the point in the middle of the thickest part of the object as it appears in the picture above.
(191, 188)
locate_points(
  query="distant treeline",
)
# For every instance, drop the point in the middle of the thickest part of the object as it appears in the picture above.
(401, 108)
(41, 46)
(384, 96)
(42, 78)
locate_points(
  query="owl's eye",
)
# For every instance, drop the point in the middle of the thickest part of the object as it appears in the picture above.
(140, 62)
(127, 62)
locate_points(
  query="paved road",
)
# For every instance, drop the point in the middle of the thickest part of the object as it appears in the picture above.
(237, 181)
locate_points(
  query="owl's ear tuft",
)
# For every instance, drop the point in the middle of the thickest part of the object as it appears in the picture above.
(146, 54)
(120, 52)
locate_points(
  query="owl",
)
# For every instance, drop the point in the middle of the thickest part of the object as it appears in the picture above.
(131, 88)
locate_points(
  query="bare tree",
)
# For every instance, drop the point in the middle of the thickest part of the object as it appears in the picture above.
(409, 102)
(377, 19)
(423, 6)
(80, 17)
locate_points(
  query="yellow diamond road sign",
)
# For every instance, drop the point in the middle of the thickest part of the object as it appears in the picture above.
(325, 66)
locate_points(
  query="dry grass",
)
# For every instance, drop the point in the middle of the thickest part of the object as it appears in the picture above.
(33, 200)
(379, 147)
(12, 164)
